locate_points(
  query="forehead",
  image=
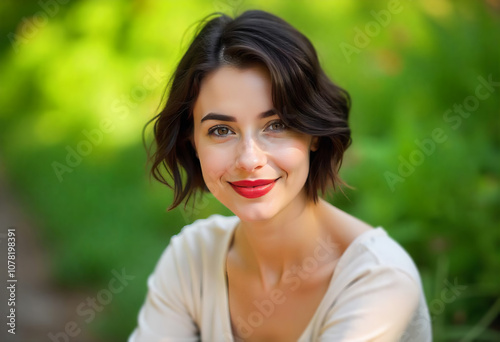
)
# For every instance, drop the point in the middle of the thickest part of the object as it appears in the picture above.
(236, 90)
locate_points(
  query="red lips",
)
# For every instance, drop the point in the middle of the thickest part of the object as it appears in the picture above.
(253, 188)
(256, 182)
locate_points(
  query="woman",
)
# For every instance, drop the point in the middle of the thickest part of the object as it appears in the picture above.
(252, 118)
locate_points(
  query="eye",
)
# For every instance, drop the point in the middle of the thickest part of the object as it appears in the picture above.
(219, 131)
(277, 126)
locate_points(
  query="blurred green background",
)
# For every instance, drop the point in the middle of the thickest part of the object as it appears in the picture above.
(78, 81)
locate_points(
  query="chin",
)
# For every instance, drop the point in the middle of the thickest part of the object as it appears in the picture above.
(255, 213)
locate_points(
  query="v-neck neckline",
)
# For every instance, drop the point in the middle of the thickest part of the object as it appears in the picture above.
(225, 282)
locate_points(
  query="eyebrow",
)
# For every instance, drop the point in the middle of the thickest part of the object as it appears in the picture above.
(223, 117)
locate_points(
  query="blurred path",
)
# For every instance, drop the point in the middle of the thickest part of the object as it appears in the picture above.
(40, 307)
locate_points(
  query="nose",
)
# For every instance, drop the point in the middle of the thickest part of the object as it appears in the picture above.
(250, 156)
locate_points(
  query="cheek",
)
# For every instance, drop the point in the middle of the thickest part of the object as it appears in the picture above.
(292, 157)
(213, 166)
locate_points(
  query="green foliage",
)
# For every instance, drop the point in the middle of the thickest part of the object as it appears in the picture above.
(95, 71)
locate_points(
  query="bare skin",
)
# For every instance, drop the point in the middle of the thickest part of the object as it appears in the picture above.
(276, 247)
(288, 316)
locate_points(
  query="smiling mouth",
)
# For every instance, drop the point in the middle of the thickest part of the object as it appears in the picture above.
(254, 191)
(253, 183)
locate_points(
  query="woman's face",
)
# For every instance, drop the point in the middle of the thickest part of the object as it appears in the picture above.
(238, 137)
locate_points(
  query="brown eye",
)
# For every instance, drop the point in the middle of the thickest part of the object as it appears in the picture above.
(222, 130)
(219, 131)
(277, 126)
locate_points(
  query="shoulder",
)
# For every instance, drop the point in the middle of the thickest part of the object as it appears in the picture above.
(376, 251)
(379, 269)
(198, 242)
(195, 251)
(208, 230)
(365, 247)
(203, 236)
(376, 274)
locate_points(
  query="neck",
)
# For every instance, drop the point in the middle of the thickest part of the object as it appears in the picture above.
(272, 249)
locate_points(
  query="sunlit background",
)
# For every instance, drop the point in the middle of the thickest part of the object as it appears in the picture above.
(79, 79)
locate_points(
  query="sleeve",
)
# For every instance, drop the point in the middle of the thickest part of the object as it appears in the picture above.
(376, 306)
(165, 315)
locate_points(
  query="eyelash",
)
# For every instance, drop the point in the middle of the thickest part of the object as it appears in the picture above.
(213, 129)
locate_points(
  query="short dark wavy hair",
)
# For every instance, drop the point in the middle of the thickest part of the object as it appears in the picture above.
(305, 98)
